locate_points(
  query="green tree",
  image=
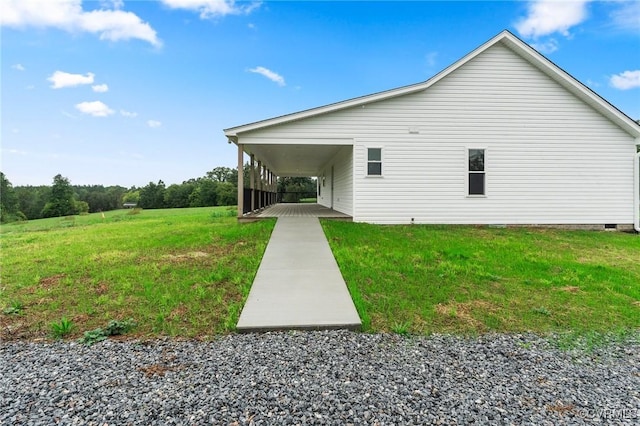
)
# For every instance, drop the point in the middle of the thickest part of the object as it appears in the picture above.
(8, 200)
(81, 207)
(61, 202)
(177, 196)
(226, 194)
(31, 200)
(132, 196)
(95, 196)
(205, 194)
(295, 188)
(222, 174)
(152, 196)
(116, 196)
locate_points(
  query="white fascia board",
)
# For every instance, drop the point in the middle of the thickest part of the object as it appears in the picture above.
(249, 140)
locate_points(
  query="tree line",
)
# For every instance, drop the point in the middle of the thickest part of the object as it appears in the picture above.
(217, 188)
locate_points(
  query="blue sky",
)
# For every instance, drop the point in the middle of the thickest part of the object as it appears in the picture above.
(127, 92)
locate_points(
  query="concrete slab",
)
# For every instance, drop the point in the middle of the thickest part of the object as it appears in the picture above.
(298, 284)
(301, 209)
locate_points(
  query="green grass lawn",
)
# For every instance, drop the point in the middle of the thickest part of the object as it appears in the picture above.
(466, 279)
(179, 272)
(187, 272)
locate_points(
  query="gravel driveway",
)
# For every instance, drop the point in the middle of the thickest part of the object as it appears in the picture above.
(333, 377)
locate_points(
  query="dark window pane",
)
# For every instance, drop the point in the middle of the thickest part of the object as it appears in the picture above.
(375, 154)
(374, 169)
(476, 183)
(476, 160)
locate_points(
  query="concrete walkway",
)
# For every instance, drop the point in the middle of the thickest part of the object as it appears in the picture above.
(298, 284)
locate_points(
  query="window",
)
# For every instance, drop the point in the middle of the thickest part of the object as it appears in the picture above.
(476, 172)
(374, 162)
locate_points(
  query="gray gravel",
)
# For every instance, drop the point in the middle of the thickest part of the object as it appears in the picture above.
(333, 377)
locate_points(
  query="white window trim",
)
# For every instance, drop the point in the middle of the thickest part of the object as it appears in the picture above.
(366, 161)
(466, 172)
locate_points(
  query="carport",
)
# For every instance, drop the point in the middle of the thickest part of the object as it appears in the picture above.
(270, 158)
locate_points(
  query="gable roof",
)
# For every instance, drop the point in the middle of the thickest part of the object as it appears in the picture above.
(506, 38)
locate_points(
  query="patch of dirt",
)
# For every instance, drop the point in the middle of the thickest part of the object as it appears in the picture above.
(15, 328)
(156, 369)
(190, 255)
(570, 289)
(102, 288)
(560, 408)
(462, 312)
(178, 313)
(636, 303)
(80, 319)
(193, 256)
(51, 281)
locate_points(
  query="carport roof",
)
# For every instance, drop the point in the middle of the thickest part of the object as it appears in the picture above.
(295, 159)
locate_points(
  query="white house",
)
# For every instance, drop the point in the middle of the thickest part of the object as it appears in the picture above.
(503, 136)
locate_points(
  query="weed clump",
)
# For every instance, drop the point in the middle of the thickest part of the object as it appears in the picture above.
(113, 328)
(14, 308)
(61, 328)
(228, 212)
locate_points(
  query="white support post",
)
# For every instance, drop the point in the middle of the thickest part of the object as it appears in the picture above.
(252, 182)
(240, 180)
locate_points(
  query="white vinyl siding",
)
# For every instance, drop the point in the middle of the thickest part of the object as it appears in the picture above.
(554, 159)
(342, 195)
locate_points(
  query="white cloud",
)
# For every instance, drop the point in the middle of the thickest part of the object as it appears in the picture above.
(112, 4)
(68, 15)
(251, 26)
(62, 79)
(30, 87)
(213, 8)
(95, 108)
(100, 88)
(627, 16)
(116, 25)
(18, 67)
(548, 46)
(550, 16)
(626, 80)
(67, 114)
(154, 123)
(273, 76)
(128, 114)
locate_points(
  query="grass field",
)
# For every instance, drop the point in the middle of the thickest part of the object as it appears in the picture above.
(181, 272)
(426, 279)
(187, 272)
